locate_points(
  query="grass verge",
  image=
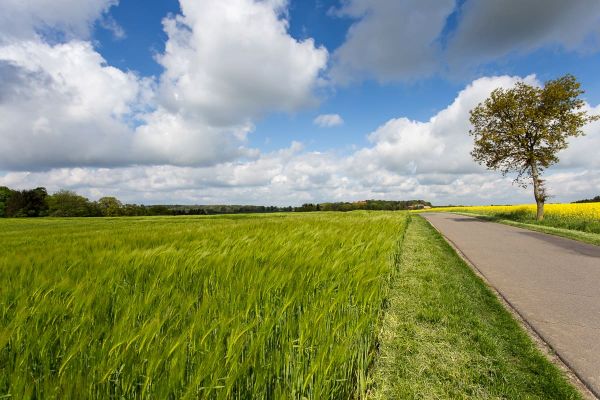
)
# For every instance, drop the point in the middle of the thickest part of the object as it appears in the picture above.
(445, 335)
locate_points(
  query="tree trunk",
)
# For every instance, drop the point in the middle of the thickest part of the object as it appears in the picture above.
(539, 216)
(538, 192)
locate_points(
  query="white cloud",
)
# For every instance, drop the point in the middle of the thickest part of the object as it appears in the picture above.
(392, 39)
(226, 63)
(409, 39)
(62, 105)
(328, 120)
(440, 144)
(111, 25)
(73, 18)
(407, 159)
(488, 29)
(172, 138)
(72, 121)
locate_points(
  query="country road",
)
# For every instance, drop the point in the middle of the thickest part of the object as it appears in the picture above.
(553, 283)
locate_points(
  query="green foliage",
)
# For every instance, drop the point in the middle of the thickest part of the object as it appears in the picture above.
(283, 306)
(365, 205)
(515, 129)
(307, 207)
(65, 203)
(5, 194)
(592, 200)
(27, 203)
(110, 206)
(522, 129)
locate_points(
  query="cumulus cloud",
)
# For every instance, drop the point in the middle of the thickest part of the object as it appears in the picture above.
(408, 39)
(440, 144)
(72, 18)
(490, 29)
(392, 39)
(328, 120)
(406, 159)
(70, 120)
(62, 105)
(226, 63)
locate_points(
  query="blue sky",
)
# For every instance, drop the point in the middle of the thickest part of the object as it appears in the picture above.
(365, 104)
(219, 102)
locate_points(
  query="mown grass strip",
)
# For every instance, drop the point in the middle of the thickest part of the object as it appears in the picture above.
(446, 335)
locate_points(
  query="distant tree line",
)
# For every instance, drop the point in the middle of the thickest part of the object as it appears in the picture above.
(65, 203)
(593, 200)
(389, 205)
(307, 207)
(226, 209)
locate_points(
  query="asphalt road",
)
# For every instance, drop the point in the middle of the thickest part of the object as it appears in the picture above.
(554, 283)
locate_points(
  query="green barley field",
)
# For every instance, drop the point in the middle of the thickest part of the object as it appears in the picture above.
(281, 306)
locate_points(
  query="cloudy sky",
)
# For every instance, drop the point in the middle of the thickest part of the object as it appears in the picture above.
(280, 102)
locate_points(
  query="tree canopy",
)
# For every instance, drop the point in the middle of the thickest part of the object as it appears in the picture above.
(65, 203)
(523, 129)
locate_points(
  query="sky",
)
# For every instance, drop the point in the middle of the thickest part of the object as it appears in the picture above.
(277, 102)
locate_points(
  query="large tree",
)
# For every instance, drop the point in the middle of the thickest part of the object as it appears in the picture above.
(522, 129)
(5, 194)
(27, 203)
(110, 206)
(65, 203)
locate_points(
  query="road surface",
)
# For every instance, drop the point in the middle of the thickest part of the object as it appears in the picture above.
(554, 283)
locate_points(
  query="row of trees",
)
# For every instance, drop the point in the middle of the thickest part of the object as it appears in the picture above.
(365, 205)
(64, 203)
(307, 207)
(592, 200)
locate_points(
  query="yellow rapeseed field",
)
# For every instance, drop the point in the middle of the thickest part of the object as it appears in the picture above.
(580, 216)
(588, 211)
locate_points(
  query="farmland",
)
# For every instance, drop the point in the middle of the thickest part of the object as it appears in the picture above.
(584, 217)
(267, 307)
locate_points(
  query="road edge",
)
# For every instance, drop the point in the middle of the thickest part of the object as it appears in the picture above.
(584, 388)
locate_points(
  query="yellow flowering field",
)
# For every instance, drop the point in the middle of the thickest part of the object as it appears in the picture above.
(578, 216)
(581, 210)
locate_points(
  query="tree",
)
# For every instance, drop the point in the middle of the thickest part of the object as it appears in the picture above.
(110, 206)
(65, 203)
(27, 203)
(522, 130)
(5, 194)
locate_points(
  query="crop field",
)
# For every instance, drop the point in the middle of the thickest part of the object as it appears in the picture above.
(583, 217)
(282, 306)
(219, 307)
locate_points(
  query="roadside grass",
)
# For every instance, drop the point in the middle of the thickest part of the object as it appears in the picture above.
(587, 237)
(445, 334)
(558, 218)
(283, 306)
